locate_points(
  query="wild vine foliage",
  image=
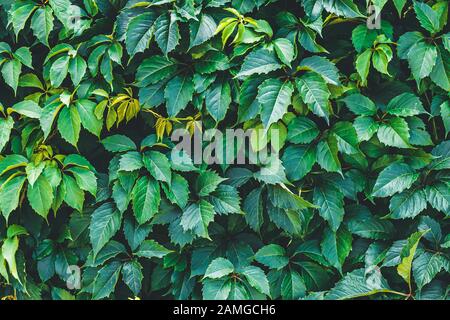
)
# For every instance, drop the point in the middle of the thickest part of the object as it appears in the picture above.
(94, 206)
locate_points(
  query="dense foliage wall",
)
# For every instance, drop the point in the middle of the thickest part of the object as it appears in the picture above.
(355, 206)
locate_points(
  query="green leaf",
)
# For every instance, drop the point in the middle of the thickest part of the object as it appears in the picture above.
(105, 222)
(28, 109)
(132, 276)
(216, 289)
(178, 190)
(259, 61)
(211, 62)
(69, 124)
(330, 201)
(284, 50)
(422, 58)
(394, 133)
(363, 66)
(360, 105)
(197, 217)
(151, 249)
(346, 136)
(407, 204)
(322, 66)
(426, 266)
(77, 69)
(135, 233)
(139, 32)
(442, 156)
(363, 38)
(327, 154)
(225, 199)
(118, 143)
(405, 105)
(219, 268)
(399, 4)
(292, 286)
(361, 222)
(427, 17)
(207, 182)
(88, 119)
(393, 179)
(11, 71)
(146, 198)
(154, 69)
(59, 70)
(218, 99)
(178, 93)
(314, 92)
(201, 30)
(85, 179)
(438, 195)
(257, 279)
(130, 161)
(167, 34)
(42, 24)
(355, 285)
(272, 256)
(302, 130)
(274, 97)
(6, 125)
(9, 249)
(40, 196)
(253, 209)
(106, 280)
(20, 13)
(336, 246)
(10, 192)
(441, 71)
(72, 193)
(298, 161)
(407, 256)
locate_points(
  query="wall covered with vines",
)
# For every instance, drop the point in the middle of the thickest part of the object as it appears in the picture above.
(353, 202)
